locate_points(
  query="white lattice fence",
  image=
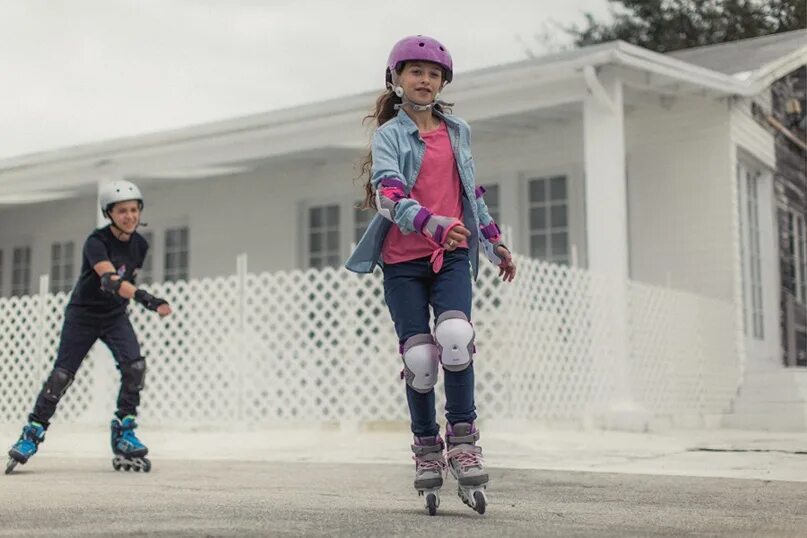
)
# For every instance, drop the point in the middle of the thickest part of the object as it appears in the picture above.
(683, 361)
(559, 328)
(320, 346)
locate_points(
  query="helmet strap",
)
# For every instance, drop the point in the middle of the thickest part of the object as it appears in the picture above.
(405, 102)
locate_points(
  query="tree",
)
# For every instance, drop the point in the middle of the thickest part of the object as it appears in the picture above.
(668, 25)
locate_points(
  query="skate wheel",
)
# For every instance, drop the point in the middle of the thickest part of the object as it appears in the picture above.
(127, 467)
(10, 465)
(480, 501)
(116, 464)
(146, 465)
(432, 503)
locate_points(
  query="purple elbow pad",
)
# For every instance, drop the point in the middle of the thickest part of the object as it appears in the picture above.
(491, 232)
(390, 191)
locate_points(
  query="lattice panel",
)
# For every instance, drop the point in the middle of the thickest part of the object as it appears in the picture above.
(29, 335)
(560, 349)
(193, 356)
(684, 359)
(319, 345)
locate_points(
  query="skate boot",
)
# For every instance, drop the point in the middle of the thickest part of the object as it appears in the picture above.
(430, 464)
(129, 451)
(466, 464)
(32, 434)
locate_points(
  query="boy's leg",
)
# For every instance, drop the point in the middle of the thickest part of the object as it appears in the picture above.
(76, 340)
(121, 339)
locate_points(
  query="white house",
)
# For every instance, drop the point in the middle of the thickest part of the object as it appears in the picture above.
(620, 161)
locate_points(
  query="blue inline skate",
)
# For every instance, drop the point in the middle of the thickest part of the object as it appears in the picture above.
(129, 451)
(32, 434)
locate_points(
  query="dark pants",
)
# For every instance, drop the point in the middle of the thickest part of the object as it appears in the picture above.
(78, 336)
(409, 289)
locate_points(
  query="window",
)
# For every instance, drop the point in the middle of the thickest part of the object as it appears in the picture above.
(21, 271)
(492, 201)
(548, 219)
(61, 267)
(750, 250)
(754, 250)
(323, 236)
(146, 275)
(361, 220)
(176, 254)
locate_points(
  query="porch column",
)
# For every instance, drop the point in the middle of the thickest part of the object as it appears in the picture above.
(607, 233)
(100, 220)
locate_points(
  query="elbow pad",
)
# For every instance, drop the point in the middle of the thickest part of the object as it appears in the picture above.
(390, 191)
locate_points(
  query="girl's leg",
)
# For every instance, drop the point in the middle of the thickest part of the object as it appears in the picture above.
(406, 290)
(451, 292)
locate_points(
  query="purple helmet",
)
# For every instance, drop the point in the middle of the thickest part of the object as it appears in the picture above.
(419, 48)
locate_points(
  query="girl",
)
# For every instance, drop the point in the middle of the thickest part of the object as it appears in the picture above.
(431, 220)
(97, 310)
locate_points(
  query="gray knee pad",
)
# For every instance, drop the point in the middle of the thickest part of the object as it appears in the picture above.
(133, 375)
(455, 340)
(57, 384)
(420, 362)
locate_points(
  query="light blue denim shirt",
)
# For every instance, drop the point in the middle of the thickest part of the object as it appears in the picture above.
(398, 150)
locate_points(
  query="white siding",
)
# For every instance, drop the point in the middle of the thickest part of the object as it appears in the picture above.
(680, 188)
(749, 135)
(40, 225)
(260, 213)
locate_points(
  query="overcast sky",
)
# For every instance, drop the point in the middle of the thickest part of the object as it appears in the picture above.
(77, 71)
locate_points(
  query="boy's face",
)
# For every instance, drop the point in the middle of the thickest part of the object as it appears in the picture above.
(126, 215)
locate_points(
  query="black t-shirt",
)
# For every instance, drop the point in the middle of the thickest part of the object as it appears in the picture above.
(88, 299)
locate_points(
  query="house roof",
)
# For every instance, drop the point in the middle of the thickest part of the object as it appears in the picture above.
(747, 56)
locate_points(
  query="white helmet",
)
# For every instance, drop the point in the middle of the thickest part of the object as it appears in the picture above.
(116, 191)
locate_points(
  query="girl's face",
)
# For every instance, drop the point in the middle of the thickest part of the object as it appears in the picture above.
(421, 81)
(126, 215)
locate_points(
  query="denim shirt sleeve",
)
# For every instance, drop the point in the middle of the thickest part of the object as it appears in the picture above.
(386, 165)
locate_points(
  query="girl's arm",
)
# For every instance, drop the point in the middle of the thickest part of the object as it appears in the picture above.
(490, 237)
(394, 203)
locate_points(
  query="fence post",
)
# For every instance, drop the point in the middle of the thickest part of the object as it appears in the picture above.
(42, 300)
(240, 334)
(350, 423)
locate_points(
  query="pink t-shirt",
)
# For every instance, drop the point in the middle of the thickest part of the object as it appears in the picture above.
(437, 188)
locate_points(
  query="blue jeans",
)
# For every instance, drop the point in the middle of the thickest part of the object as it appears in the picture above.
(409, 288)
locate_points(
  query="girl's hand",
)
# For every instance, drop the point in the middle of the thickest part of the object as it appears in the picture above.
(164, 310)
(507, 269)
(455, 236)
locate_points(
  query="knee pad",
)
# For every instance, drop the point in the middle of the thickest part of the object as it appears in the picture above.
(133, 375)
(420, 362)
(455, 340)
(57, 384)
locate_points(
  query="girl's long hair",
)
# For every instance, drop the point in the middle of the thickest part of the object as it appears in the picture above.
(384, 111)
